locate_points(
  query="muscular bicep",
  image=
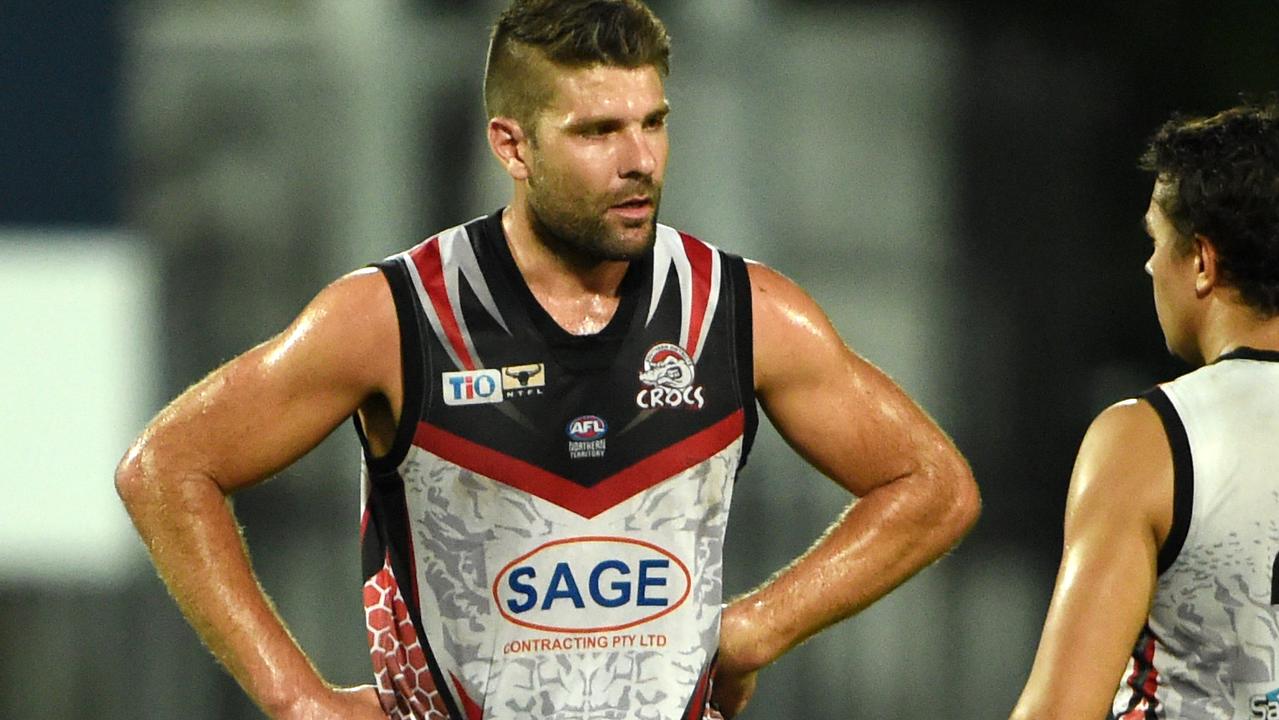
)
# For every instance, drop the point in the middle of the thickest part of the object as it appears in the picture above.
(1118, 513)
(837, 410)
(261, 411)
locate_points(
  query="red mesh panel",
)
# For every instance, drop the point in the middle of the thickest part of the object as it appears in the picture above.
(404, 681)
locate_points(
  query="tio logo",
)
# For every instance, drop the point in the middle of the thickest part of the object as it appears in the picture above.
(591, 584)
(472, 387)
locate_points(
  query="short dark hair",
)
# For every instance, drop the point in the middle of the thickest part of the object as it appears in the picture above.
(1224, 174)
(569, 33)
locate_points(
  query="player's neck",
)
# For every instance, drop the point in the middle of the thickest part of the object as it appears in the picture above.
(580, 296)
(553, 271)
(1232, 325)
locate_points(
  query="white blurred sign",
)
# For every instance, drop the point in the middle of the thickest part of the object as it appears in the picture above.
(77, 352)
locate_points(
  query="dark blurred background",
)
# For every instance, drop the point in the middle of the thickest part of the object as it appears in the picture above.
(957, 187)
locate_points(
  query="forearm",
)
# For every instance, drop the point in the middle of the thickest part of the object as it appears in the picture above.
(197, 548)
(880, 541)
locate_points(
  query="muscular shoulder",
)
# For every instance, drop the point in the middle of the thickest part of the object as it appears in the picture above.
(1124, 469)
(772, 291)
(1127, 435)
(347, 333)
(790, 329)
(360, 301)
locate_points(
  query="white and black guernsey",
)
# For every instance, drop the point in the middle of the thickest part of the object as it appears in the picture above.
(1210, 647)
(544, 539)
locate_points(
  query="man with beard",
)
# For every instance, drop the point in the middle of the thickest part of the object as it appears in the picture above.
(554, 401)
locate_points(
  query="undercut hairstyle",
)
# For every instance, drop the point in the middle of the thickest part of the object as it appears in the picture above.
(1222, 173)
(569, 34)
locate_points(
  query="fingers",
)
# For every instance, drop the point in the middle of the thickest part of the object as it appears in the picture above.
(730, 693)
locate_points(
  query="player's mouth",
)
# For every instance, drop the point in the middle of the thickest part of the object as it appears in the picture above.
(635, 208)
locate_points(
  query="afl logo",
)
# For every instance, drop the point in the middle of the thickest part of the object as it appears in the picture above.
(668, 376)
(591, 584)
(586, 427)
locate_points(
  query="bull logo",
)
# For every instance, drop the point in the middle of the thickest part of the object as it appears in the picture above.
(523, 380)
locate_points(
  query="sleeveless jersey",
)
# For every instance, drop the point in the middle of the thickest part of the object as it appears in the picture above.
(1210, 648)
(544, 538)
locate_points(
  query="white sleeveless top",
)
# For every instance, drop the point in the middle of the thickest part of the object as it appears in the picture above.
(1210, 648)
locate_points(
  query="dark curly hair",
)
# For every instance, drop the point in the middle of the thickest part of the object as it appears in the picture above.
(1223, 174)
(569, 33)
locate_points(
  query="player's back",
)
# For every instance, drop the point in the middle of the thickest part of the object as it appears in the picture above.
(1210, 648)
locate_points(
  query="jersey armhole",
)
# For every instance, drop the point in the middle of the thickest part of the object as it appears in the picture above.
(412, 371)
(1183, 480)
(743, 349)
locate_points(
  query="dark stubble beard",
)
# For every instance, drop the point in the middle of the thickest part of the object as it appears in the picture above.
(576, 230)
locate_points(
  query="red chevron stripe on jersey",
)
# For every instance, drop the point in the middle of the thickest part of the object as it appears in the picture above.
(584, 501)
(437, 267)
(698, 271)
(701, 259)
(430, 270)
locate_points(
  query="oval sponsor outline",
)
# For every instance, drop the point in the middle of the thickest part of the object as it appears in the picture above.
(688, 584)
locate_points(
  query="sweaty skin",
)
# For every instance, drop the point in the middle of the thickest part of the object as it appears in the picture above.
(603, 141)
(1119, 510)
(244, 422)
(1118, 514)
(255, 415)
(851, 422)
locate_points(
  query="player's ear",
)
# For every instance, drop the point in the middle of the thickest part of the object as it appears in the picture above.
(510, 144)
(1207, 268)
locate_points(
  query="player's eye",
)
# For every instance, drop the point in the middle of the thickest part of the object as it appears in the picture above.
(595, 130)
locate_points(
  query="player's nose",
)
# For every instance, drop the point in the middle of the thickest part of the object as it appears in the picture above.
(639, 154)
